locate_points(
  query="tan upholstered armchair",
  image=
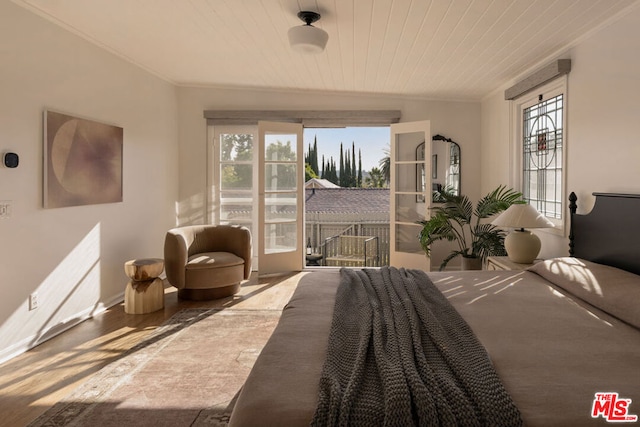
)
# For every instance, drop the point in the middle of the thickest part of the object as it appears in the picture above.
(207, 261)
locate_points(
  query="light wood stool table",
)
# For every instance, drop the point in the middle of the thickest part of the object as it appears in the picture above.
(145, 291)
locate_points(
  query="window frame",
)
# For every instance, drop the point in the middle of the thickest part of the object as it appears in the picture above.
(558, 86)
(214, 168)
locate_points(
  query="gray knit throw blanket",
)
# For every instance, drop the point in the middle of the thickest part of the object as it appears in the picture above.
(399, 354)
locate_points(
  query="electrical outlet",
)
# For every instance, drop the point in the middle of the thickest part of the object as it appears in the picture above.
(33, 301)
(5, 208)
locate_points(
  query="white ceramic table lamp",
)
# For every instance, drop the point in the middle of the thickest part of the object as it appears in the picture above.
(522, 245)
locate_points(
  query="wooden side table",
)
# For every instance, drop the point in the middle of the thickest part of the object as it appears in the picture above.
(145, 291)
(504, 263)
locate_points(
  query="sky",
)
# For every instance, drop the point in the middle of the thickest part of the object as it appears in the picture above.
(370, 141)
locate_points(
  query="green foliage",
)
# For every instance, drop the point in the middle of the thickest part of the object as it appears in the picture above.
(349, 172)
(329, 171)
(236, 148)
(311, 158)
(280, 151)
(456, 220)
(359, 182)
(385, 164)
(353, 176)
(375, 179)
(309, 173)
(342, 171)
(281, 175)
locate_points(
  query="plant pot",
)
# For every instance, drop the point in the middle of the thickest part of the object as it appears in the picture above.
(471, 263)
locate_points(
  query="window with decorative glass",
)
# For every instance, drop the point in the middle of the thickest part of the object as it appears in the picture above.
(541, 145)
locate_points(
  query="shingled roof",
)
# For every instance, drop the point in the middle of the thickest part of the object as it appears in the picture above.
(347, 200)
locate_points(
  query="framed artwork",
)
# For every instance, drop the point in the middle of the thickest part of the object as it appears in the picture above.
(82, 161)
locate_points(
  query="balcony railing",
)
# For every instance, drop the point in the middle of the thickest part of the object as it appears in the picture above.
(351, 251)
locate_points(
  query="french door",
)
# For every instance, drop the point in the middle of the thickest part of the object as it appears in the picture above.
(280, 197)
(410, 198)
(232, 181)
(257, 179)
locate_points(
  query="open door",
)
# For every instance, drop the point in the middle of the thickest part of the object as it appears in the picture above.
(280, 197)
(410, 192)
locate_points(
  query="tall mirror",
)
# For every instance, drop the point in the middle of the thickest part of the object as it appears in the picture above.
(445, 167)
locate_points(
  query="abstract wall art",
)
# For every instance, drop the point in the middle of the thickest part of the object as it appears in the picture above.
(82, 161)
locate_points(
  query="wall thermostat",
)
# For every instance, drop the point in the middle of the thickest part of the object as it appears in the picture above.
(11, 160)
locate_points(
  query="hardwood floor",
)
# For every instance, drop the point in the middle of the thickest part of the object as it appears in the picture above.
(37, 379)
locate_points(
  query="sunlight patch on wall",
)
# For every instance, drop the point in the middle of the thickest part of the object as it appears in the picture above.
(73, 285)
(191, 210)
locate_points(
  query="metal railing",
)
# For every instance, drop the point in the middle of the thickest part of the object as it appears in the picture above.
(319, 228)
(351, 251)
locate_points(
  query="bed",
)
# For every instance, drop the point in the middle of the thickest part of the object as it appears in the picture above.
(563, 336)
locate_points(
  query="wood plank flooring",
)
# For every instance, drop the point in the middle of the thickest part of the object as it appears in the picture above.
(34, 381)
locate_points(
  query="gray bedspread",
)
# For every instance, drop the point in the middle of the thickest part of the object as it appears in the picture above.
(399, 354)
(551, 353)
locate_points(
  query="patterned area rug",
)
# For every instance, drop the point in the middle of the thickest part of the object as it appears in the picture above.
(187, 373)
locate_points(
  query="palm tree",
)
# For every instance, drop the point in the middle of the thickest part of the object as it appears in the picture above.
(385, 165)
(375, 179)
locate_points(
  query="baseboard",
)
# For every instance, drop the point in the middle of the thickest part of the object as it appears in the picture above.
(55, 330)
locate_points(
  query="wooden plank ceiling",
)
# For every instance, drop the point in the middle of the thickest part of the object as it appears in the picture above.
(440, 49)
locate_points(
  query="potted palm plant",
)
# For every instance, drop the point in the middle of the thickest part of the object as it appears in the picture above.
(456, 220)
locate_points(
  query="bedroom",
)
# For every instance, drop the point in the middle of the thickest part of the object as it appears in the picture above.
(74, 257)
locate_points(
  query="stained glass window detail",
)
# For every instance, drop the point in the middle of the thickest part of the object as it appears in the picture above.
(543, 141)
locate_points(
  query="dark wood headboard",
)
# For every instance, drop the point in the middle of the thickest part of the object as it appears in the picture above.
(610, 233)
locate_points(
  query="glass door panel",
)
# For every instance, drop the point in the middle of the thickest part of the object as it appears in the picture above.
(409, 202)
(236, 178)
(281, 209)
(232, 180)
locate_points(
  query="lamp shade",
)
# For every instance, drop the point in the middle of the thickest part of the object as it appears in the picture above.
(522, 215)
(308, 39)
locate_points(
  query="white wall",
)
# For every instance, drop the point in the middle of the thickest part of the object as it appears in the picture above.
(73, 257)
(602, 121)
(459, 121)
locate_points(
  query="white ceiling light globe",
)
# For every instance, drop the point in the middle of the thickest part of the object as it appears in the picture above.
(308, 39)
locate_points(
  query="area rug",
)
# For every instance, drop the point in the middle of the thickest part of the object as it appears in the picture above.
(186, 373)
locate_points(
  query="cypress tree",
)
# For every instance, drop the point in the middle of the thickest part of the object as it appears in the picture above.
(314, 158)
(334, 173)
(347, 170)
(341, 177)
(354, 182)
(308, 158)
(359, 168)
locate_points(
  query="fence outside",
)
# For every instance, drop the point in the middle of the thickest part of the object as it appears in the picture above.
(322, 226)
(351, 251)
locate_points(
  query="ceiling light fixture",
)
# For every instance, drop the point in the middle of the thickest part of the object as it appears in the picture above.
(307, 38)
